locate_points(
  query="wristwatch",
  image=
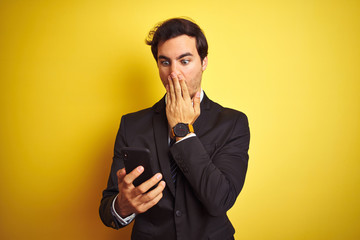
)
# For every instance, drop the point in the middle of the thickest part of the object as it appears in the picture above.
(181, 130)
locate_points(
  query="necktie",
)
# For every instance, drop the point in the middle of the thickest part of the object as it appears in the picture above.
(173, 165)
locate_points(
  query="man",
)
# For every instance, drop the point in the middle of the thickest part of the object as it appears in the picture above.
(199, 177)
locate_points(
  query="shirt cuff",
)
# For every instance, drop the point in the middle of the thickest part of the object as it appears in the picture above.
(186, 137)
(122, 221)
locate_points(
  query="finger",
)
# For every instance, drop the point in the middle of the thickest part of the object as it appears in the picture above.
(129, 178)
(147, 205)
(146, 201)
(120, 175)
(168, 98)
(184, 89)
(153, 193)
(196, 102)
(171, 88)
(177, 86)
(145, 186)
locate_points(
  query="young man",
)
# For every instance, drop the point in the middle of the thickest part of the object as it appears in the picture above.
(200, 175)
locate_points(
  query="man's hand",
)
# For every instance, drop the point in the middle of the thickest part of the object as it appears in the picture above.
(179, 105)
(133, 199)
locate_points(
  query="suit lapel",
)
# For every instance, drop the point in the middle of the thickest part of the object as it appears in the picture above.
(160, 127)
(200, 123)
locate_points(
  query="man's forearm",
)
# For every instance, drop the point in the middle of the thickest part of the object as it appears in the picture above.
(216, 181)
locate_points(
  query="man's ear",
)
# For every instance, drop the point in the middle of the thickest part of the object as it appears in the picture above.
(204, 63)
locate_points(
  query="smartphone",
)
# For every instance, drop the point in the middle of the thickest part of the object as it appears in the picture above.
(134, 157)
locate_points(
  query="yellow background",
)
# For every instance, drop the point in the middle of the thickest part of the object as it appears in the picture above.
(70, 69)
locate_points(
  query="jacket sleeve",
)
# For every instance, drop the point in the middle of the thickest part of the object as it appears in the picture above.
(112, 186)
(217, 179)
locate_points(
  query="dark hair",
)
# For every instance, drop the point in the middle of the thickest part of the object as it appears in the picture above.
(175, 27)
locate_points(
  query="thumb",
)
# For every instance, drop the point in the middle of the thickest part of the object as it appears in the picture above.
(196, 102)
(120, 175)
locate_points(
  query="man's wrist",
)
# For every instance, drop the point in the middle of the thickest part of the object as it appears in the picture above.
(189, 135)
(181, 130)
(122, 220)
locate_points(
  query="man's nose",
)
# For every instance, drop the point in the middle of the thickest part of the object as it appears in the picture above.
(174, 67)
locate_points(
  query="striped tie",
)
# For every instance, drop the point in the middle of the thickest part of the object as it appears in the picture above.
(173, 165)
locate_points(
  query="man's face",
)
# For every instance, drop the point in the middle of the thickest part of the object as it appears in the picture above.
(179, 55)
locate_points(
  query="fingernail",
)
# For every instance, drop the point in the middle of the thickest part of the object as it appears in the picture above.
(158, 176)
(140, 168)
(198, 94)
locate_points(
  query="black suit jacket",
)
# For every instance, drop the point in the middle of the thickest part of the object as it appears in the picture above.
(212, 172)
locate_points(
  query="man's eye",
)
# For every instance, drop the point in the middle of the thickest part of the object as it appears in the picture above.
(185, 61)
(165, 63)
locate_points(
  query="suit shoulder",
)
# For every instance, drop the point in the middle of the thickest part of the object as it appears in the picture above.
(228, 111)
(147, 112)
(237, 113)
(139, 114)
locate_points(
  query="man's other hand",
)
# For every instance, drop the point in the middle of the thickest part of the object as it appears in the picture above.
(133, 199)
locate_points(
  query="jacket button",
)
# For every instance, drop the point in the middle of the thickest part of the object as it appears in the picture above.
(178, 213)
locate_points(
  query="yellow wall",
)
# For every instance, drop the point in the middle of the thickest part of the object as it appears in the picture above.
(70, 69)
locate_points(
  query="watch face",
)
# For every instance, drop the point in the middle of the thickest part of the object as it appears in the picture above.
(181, 130)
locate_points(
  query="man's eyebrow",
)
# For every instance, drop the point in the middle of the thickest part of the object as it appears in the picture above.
(184, 55)
(163, 57)
(179, 57)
